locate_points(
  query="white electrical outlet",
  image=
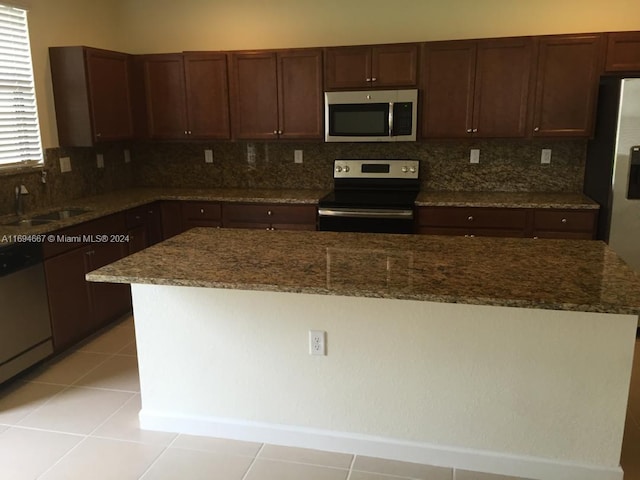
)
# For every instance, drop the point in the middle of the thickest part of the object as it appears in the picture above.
(251, 154)
(100, 160)
(474, 157)
(317, 342)
(127, 156)
(208, 156)
(545, 157)
(65, 164)
(297, 156)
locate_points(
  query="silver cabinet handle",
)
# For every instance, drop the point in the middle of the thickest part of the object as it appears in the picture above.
(202, 211)
(470, 218)
(269, 212)
(564, 220)
(537, 129)
(374, 79)
(368, 79)
(275, 132)
(475, 130)
(279, 132)
(469, 130)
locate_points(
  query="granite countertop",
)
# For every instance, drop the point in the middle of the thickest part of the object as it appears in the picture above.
(101, 205)
(549, 274)
(506, 200)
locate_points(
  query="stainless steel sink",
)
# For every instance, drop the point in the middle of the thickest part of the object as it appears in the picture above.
(61, 214)
(28, 222)
(45, 218)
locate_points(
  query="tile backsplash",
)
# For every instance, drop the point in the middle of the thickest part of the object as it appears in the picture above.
(505, 165)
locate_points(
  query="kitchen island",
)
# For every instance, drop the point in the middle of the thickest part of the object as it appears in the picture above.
(510, 356)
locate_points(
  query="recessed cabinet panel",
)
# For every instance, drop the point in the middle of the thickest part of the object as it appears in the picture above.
(207, 95)
(503, 75)
(623, 52)
(476, 89)
(300, 100)
(166, 101)
(377, 66)
(567, 85)
(448, 75)
(91, 89)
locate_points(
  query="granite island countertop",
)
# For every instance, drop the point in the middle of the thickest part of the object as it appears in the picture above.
(547, 274)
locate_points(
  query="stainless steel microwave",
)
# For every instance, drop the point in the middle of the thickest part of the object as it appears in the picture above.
(371, 116)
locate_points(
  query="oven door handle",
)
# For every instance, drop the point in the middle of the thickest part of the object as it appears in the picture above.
(365, 213)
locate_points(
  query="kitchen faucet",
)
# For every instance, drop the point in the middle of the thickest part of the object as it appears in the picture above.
(21, 191)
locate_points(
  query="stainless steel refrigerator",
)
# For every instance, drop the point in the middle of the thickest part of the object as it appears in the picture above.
(612, 170)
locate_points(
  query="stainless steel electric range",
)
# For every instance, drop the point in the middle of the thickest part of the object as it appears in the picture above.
(371, 196)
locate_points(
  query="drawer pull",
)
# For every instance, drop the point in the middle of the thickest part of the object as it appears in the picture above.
(269, 212)
(564, 220)
(202, 211)
(470, 218)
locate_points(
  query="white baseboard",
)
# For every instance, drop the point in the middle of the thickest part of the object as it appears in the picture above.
(534, 468)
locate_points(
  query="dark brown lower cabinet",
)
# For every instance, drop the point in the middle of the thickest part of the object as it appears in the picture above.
(269, 216)
(577, 224)
(78, 307)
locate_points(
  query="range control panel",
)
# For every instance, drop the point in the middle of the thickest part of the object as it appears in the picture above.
(391, 169)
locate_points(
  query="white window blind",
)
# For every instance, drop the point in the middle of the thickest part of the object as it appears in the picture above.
(19, 129)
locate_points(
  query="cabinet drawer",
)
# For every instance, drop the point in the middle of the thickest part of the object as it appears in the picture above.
(79, 235)
(243, 213)
(472, 232)
(472, 217)
(201, 211)
(564, 221)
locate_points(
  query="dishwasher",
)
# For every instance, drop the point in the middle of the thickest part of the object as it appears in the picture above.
(25, 326)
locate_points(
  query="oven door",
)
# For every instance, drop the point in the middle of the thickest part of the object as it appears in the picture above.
(365, 220)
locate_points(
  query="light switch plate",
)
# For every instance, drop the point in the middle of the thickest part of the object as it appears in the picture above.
(100, 160)
(545, 157)
(474, 157)
(127, 156)
(208, 156)
(65, 164)
(297, 156)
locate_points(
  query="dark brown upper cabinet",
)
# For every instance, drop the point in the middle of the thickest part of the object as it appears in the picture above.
(92, 95)
(623, 52)
(569, 67)
(476, 88)
(277, 94)
(187, 95)
(378, 66)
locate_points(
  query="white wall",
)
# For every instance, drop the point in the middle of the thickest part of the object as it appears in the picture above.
(541, 386)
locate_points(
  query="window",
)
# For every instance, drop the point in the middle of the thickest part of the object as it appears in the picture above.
(19, 130)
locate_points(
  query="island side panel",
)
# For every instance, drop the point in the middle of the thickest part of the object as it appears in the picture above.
(450, 383)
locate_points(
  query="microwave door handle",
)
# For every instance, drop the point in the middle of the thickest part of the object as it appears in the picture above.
(391, 119)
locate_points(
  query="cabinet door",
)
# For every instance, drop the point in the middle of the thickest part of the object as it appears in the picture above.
(254, 95)
(567, 85)
(69, 300)
(503, 72)
(201, 214)
(394, 65)
(171, 215)
(623, 52)
(137, 239)
(207, 95)
(108, 77)
(348, 67)
(300, 94)
(109, 300)
(166, 102)
(447, 79)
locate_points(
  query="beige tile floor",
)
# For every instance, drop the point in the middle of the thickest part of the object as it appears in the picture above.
(76, 418)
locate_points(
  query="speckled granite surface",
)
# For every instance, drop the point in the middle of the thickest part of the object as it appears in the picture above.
(548, 274)
(105, 204)
(101, 205)
(506, 200)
